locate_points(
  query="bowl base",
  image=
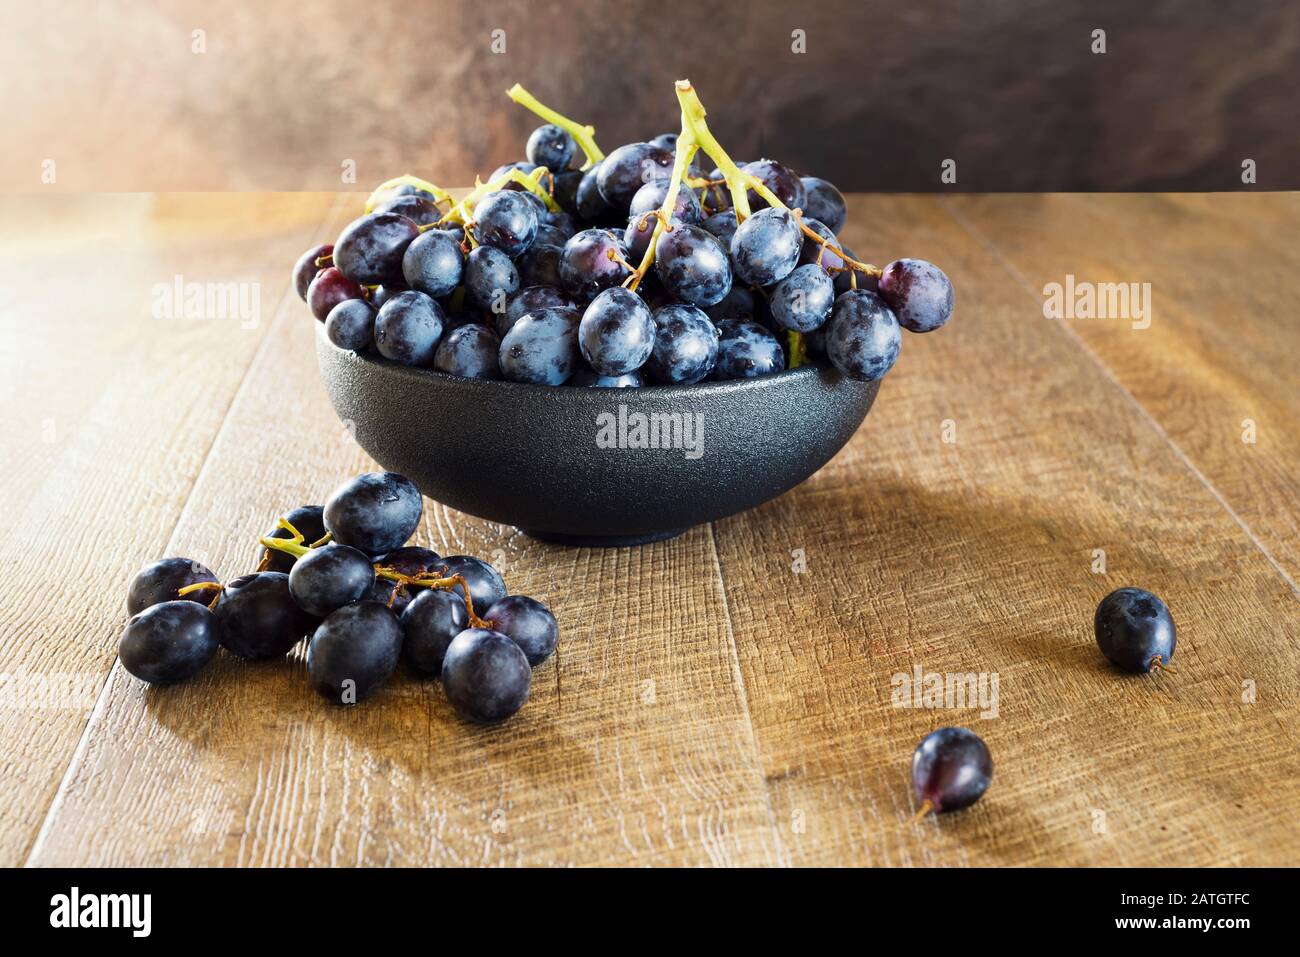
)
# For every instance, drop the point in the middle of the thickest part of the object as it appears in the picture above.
(601, 541)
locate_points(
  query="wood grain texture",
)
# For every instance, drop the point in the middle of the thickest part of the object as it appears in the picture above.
(110, 410)
(708, 704)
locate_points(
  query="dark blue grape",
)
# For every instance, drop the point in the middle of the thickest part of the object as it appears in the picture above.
(259, 618)
(408, 327)
(381, 294)
(490, 278)
(486, 676)
(530, 299)
(630, 167)
(523, 167)
(814, 252)
(862, 337)
(469, 352)
(781, 180)
(951, 769)
(636, 237)
(550, 146)
(844, 281)
(353, 652)
(589, 378)
(651, 196)
(430, 622)
(824, 203)
(722, 225)
(765, 248)
(408, 560)
(561, 221)
(739, 303)
(547, 235)
(171, 641)
(685, 347)
(370, 249)
(746, 350)
(375, 512)
(538, 204)
(309, 520)
(592, 260)
(693, 266)
(506, 220)
(351, 325)
(328, 289)
(161, 580)
(616, 332)
(666, 141)
(528, 623)
(590, 204)
(566, 190)
(802, 300)
(1134, 630)
(305, 269)
(540, 263)
(330, 577)
(919, 293)
(421, 210)
(541, 348)
(486, 586)
(434, 263)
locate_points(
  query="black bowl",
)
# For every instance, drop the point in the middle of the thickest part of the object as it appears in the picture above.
(569, 464)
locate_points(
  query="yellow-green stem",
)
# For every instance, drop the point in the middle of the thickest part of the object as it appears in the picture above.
(584, 136)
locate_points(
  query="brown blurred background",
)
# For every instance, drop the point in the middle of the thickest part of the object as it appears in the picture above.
(285, 92)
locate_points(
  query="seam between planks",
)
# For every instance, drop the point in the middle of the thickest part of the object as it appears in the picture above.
(1019, 279)
(101, 700)
(778, 843)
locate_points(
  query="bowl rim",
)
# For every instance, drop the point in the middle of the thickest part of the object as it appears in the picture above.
(505, 386)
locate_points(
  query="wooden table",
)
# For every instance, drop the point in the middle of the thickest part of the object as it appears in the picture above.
(708, 704)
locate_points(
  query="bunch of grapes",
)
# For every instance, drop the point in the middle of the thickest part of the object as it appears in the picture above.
(638, 268)
(343, 576)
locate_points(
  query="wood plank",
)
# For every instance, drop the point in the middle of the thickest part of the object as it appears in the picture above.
(1223, 345)
(975, 557)
(635, 747)
(110, 412)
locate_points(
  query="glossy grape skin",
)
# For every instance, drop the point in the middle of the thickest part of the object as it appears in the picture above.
(591, 379)
(723, 225)
(358, 643)
(328, 289)
(411, 560)
(586, 265)
(541, 348)
(160, 581)
(259, 618)
(351, 325)
(469, 352)
(170, 641)
(305, 269)
(766, 247)
(506, 220)
(814, 252)
(550, 146)
(330, 577)
(590, 204)
(485, 675)
(547, 235)
(522, 166)
(666, 141)
(309, 520)
(530, 299)
(381, 294)
(566, 190)
(540, 264)
(616, 332)
(376, 512)
(433, 264)
(746, 350)
(802, 300)
(490, 278)
(651, 196)
(862, 336)
(951, 769)
(693, 266)
(636, 237)
(370, 249)
(627, 169)
(685, 346)
(430, 622)
(559, 220)
(528, 623)
(739, 303)
(421, 210)
(919, 292)
(408, 327)
(1134, 630)
(486, 586)
(824, 203)
(781, 180)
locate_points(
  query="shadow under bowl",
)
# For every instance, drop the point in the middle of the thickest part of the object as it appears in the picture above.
(586, 466)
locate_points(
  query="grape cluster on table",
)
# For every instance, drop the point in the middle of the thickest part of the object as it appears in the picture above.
(531, 294)
(358, 599)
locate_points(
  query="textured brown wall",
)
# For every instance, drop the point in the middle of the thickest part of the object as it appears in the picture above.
(287, 91)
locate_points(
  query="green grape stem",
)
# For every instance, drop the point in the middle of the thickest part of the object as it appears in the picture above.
(584, 136)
